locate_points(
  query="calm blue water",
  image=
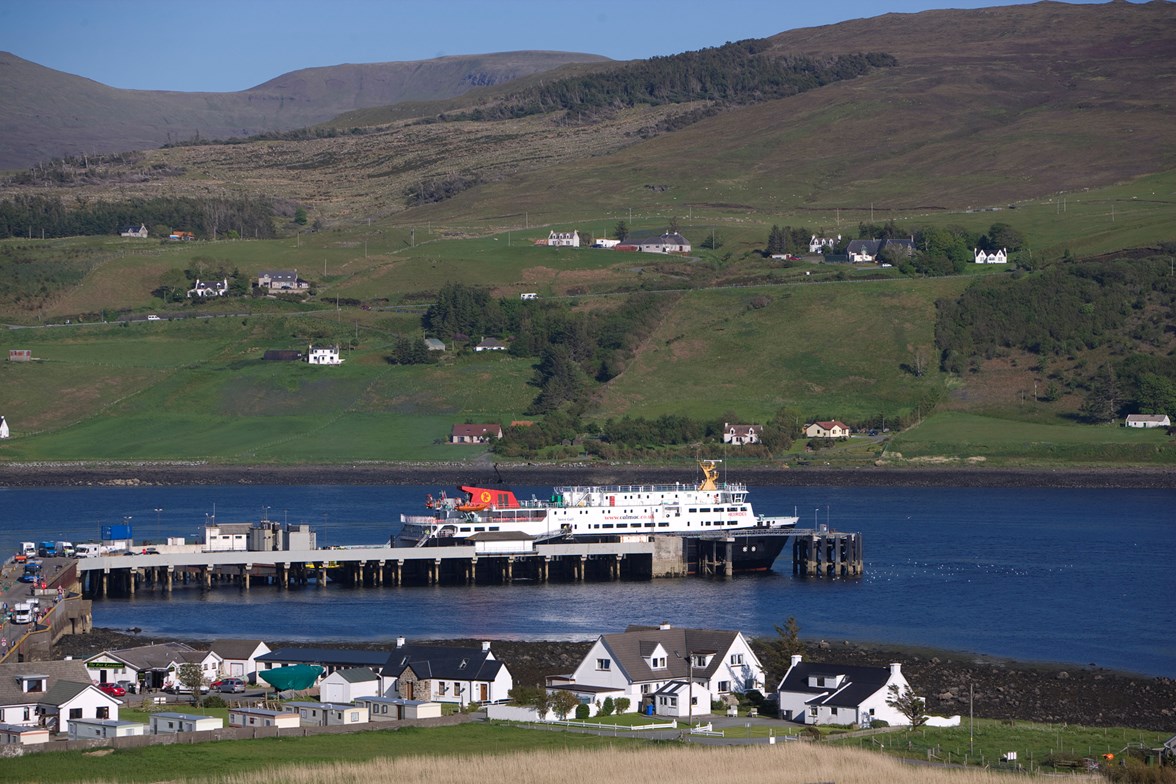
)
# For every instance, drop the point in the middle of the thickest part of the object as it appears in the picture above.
(1076, 576)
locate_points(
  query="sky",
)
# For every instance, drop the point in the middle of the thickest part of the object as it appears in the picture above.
(228, 45)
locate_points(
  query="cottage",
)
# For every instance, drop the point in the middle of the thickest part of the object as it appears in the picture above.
(829, 429)
(263, 717)
(490, 344)
(80, 729)
(348, 685)
(863, 250)
(839, 693)
(741, 434)
(565, 239)
(822, 244)
(397, 709)
(641, 661)
(670, 242)
(217, 288)
(239, 657)
(325, 714)
(991, 257)
(474, 434)
(1147, 420)
(447, 674)
(323, 355)
(139, 232)
(281, 281)
(168, 722)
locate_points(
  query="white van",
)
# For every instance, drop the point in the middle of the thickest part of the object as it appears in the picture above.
(529, 295)
(23, 612)
(153, 318)
(88, 550)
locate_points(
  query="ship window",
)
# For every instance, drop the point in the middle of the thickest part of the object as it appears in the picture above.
(464, 530)
(622, 525)
(607, 525)
(732, 522)
(493, 528)
(663, 525)
(479, 528)
(705, 509)
(692, 511)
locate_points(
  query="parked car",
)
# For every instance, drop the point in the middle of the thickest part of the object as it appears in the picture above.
(231, 685)
(113, 689)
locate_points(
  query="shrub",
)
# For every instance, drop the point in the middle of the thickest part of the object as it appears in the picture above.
(608, 707)
(621, 704)
(582, 711)
(215, 701)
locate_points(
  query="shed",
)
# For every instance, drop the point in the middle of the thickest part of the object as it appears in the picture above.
(346, 686)
(105, 728)
(397, 709)
(262, 717)
(164, 723)
(433, 344)
(329, 714)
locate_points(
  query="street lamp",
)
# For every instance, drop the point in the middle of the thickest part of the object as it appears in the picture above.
(265, 514)
(689, 687)
(158, 526)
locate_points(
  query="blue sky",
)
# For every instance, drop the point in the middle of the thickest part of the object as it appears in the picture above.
(223, 45)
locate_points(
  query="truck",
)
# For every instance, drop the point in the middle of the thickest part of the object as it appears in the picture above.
(65, 549)
(26, 551)
(87, 550)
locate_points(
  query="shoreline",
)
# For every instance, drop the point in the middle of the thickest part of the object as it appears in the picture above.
(163, 473)
(1002, 688)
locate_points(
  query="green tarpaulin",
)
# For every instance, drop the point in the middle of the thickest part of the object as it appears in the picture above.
(293, 678)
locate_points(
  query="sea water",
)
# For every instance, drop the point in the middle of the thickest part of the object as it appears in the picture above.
(1064, 575)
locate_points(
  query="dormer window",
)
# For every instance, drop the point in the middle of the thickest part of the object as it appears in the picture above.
(33, 684)
(657, 663)
(698, 661)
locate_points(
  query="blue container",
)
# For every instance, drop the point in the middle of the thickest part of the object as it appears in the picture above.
(649, 710)
(112, 533)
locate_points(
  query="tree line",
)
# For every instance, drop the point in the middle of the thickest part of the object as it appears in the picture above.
(33, 215)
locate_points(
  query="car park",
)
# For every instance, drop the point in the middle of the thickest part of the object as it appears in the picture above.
(113, 689)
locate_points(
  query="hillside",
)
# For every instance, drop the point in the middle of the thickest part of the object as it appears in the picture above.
(48, 114)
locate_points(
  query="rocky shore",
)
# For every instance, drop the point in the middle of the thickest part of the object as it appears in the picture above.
(140, 474)
(1001, 689)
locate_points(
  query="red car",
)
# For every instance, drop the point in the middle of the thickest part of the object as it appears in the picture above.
(113, 689)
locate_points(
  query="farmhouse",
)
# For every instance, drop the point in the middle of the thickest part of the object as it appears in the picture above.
(474, 434)
(829, 429)
(822, 244)
(139, 231)
(991, 257)
(281, 281)
(323, 355)
(605, 243)
(565, 239)
(642, 661)
(1147, 420)
(663, 243)
(863, 250)
(741, 434)
(839, 693)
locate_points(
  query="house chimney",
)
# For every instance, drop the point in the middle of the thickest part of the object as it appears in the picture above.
(485, 645)
(895, 669)
(664, 625)
(796, 657)
(399, 642)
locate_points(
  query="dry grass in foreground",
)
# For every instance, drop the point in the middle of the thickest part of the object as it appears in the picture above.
(673, 765)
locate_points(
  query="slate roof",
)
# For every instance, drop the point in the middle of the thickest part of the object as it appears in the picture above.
(858, 683)
(661, 239)
(628, 647)
(357, 675)
(236, 649)
(332, 657)
(10, 688)
(476, 431)
(152, 657)
(64, 691)
(435, 661)
(869, 247)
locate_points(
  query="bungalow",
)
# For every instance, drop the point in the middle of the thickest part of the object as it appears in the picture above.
(663, 243)
(446, 674)
(139, 231)
(80, 729)
(839, 693)
(281, 281)
(151, 666)
(67, 702)
(327, 714)
(639, 662)
(323, 355)
(1147, 420)
(565, 239)
(263, 717)
(829, 429)
(348, 685)
(397, 709)
(205, 289)
(490, 344)
(991, 257)
(474, 434)
(239, 657)
(168, 722)
(741, 434)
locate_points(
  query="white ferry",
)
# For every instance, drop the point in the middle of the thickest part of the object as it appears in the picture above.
(594, 512)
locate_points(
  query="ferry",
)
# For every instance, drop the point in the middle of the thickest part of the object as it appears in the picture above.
(595, 512)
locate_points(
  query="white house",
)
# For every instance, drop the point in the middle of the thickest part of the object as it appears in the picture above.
(151, 666)
(346, 686)
(397, 709)
(323, 355)
(139, 231)
(168, 722)
(446, 674)
(664, 243)
(741, 434)
(566, 239)
(263, 717)
(829, 429)
(640, 661)
(69, 701)
(840, 693)
(105, 728)
(217, 288)
(1138, 420)
(326, 714)
(25, 686)
(822, 244)
(239, 657)
(991, 257)
(469, 433)
(605, 243)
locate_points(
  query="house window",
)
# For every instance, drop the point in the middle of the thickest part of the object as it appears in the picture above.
(102, 713)
(813, 711)
(698, 661)
(724, 686)
(604, 664)
(75, 713)
(832, 711)
(442, 688)
(658, 662)
(737, 659)
(645, 689)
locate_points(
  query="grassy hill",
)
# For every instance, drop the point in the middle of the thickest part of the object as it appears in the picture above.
(48, 114)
